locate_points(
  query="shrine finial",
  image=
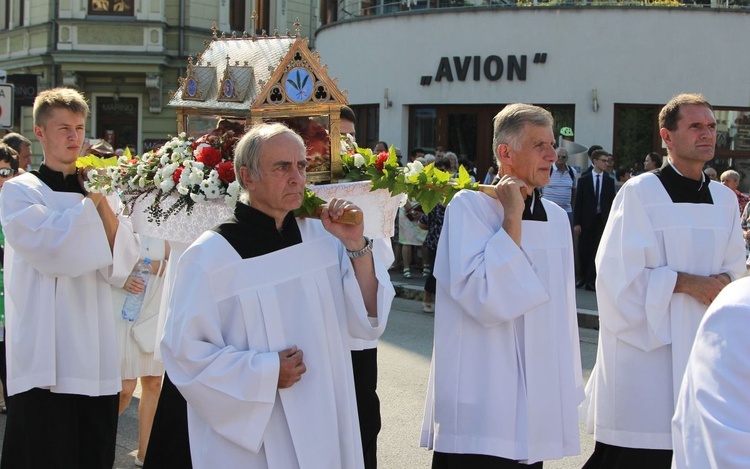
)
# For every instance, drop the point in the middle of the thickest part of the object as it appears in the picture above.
(215, 30)
(254, 19)
(297, 26)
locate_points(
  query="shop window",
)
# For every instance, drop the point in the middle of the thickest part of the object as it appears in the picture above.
(732, 131)
(423, 131)
(111, 7)
(636, 132)
(368, 125)
(467, 129)
(117, 121)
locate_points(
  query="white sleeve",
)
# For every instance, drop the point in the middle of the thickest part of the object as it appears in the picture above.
(711, 426)
(359, 324)
(232, 390)
(633, 291)
(126, 250)
(480, 266)
(69, 242)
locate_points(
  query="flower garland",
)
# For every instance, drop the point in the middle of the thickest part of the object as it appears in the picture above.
(194, 170)
(427, 185)
(199, 170)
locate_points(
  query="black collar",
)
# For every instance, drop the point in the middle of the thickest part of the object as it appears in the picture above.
(682, 189)
(252, 233)
(538, 214)
(57, 182)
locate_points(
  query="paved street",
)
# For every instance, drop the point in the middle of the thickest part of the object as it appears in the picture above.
(404, 361)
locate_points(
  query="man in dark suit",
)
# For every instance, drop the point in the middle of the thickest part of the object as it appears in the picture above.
(596, 191)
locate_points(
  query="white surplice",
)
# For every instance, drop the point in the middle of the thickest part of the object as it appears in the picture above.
(711, 426)
(228, 320)
(59, 271)
(646, 330)
(506, 371)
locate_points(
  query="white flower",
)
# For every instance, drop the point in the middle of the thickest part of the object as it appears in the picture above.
(182, 189)
(197, 198)
(234, 189)
(359, 160)
(196, 175)
(210, 189)
(230, 200)
(166, 185)
(412, 169)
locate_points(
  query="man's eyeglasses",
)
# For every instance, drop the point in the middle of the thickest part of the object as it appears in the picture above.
(6, 172)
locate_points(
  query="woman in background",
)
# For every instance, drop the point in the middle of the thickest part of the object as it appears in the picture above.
(137, 341)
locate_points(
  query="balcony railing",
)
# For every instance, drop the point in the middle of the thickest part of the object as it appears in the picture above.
(350, 9)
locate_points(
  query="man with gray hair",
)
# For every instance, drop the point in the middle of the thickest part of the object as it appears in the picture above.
(22, 145)
(731, 179)
(506, 373)
(260, 300)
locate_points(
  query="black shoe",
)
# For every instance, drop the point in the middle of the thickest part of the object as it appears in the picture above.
(580, 284)
(590, 287)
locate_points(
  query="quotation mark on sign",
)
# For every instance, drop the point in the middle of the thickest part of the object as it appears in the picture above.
(540, 58)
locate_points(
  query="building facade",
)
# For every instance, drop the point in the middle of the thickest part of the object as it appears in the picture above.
(125, 55)
(433, 74)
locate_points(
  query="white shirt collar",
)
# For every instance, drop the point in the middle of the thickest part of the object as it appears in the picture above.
(669, 160)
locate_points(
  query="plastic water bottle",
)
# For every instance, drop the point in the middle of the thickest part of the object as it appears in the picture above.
(134, 303)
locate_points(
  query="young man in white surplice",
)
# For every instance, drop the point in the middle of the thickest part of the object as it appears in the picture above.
(672, 242)
(64, 248)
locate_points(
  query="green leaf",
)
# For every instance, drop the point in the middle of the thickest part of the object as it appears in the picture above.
(463, 178)
(293, 84)
(309, 202)
(442, 176)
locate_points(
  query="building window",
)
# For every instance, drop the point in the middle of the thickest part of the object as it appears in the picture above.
(264, 16)
(368, 125)
(111, 7)
(636, 131)
(237, 15)
(467, 129)
(732, 131)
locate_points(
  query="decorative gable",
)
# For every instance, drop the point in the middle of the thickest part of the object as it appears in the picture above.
(254, 79)
(299, 79)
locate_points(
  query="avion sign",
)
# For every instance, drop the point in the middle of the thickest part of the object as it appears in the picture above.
(476, 68)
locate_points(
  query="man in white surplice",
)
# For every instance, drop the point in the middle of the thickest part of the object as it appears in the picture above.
(711, 425)
(506, 372)
(64, 249)
(672, 242)
(250, 298)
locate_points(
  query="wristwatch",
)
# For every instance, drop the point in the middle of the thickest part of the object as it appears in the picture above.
(361, 252)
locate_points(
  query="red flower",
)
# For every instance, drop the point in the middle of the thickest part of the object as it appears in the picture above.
(380, 162)
(177, 173)
(133, 161)
(209, 156)
(226, 171)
